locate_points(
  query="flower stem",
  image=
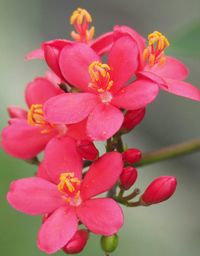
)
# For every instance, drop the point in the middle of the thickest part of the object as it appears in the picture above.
(34, 161)
(169, 152)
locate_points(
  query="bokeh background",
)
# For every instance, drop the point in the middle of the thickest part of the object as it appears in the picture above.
(171, 228)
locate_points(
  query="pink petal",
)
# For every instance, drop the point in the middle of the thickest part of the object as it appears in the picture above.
(52, 77)
(74, 63)
(40, 90)
(151, 76)
(120, 31)
(69, 108)
(78, 130)
(183, 89)
(172, 68)
(123, 60)
(24, 141)
(104, 121)
(61, 156)
(36, 54)
(57, 230)
(34, 196)
(136, 95)
(102, 216)
(17, 112)
(103, 43)
(102, 175)
(43, 173)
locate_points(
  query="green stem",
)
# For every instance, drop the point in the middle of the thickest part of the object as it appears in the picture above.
(34, 161)
(132, 195)
(169, 152)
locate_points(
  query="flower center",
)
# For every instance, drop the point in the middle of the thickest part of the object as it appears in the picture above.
(154, 52)
(69, 187)
(81, 19)
(100, 78)
(36, 118)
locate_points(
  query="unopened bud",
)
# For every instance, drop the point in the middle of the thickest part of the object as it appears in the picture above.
(109, 243)
(77, 243)
(159, 190)
(88, 150)
(132, 155)
(128, 177)
(17, 112)
(132, 118)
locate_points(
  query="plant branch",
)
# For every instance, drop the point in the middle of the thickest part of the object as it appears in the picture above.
(169, 152)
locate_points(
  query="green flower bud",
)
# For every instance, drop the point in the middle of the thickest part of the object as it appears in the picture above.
(109, 243)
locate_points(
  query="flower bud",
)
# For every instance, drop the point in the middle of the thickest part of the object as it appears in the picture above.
(159, 190)
(128, 177)
(132, 118)
(109, 243)
(88, 150)
(17, 112)
(132, 155)
(77, 243)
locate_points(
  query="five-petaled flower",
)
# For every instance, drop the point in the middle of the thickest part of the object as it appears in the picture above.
(61, 194)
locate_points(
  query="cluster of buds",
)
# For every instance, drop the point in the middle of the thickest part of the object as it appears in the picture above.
(80, 101)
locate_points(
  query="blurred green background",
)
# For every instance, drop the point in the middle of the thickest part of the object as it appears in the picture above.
(171, 228)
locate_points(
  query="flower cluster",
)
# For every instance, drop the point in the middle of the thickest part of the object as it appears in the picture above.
(79, 101)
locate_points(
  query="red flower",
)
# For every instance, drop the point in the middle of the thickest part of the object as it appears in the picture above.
(29, 132)
(65, 198)
(166, 71)
(105, 88)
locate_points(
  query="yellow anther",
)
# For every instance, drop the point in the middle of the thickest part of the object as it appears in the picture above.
(68, 183)
(36, 118)
(80, 15)
(154, 52)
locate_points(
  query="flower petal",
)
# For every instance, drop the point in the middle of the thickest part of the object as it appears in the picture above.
(172, 68)
(104, 121)
(102, 175)
(74, 62)
(57, 230)
(69, 108)
(17, 112)
(34, 196)
(61, 156)
(183, 89)
(136, 95)
(40, 90)
(23, 140)
(35, 54)
(120, 31)
(102, 216)
(103, 43)
(123, 60)
(78, 130)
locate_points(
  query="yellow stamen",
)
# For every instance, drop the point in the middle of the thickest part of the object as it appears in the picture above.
(79, 15)
(68, 182)
(36, 118)
(81, 19)
(154, 52)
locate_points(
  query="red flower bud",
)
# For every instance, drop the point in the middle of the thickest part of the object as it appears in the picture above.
(88, 150)
(132, 155)
(77, 243)
(132, 118)
(128, 177)
(17, 112)
(159, 190)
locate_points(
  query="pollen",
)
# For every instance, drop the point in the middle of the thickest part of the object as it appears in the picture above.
(69, 187)
(100, 76)
(154, 52)
(36, 118)
(81, 19)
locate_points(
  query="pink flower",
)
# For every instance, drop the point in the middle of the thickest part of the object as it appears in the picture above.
(166, 71)
(28, 132)
(65, 198)
(81, 20)
(132, 155)
(159, 190)
(105, 89)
